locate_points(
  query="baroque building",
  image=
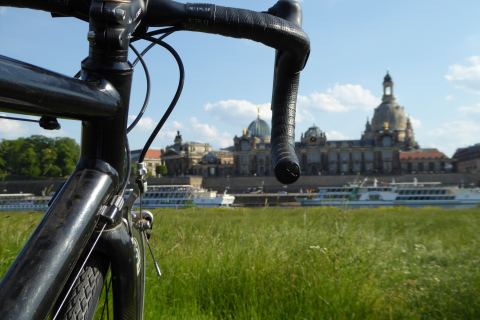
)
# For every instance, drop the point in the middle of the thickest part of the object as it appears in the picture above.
(386, 146)
(252, 150)
(376, 152)
(215, 164)
(153, 159)
(181, 157)
(467, 160)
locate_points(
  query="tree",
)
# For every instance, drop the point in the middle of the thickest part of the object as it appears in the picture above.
(3, 169)
(68, 152)
(27, 161)
(38, 156)
(49, 167)
(161, 170)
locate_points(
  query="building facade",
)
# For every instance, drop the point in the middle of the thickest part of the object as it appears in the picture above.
(386, 146)
(181, 157)
(215, 164)
(153, 159)
(424, 161)
(376, 152)
(251, 150)
(467, 160)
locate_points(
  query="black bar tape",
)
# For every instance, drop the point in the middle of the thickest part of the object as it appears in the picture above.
(293, 47)
(258, 26)
(284, 158)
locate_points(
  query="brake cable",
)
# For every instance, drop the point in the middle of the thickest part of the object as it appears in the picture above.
(174, 101)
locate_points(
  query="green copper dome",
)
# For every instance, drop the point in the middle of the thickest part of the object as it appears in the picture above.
(259, 128)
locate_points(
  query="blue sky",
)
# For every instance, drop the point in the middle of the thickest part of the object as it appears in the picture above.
(431, 48)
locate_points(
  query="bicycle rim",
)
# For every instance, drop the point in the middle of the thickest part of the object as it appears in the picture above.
(83, 299)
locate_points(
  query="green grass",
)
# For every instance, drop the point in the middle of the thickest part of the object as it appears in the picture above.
(316, 263)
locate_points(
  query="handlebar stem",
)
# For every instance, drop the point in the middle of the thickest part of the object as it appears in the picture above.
(111, 26)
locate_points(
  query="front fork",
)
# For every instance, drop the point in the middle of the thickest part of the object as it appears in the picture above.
(124, 245)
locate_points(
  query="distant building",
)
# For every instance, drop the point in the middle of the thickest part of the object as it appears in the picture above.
(424, 161)
(152, 159)
(181, 157)
(386, 146)
(467, 160)
(376, 152)
(252, 150)
(215, 164)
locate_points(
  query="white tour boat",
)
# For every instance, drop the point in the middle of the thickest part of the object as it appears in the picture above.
(411, 194)
(23, 202)
(178, 196)
(160, 196)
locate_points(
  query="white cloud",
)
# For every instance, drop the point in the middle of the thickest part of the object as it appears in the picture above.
(466, 76)
(416, 123)
(209, 134)
(177, 125)
(145, 123)
(52, 133)
(450, 97)
(470, 110)
(455, 134)
(11, 128)
(336, 135)
(241, 110)
(322, 101)
(340, 98)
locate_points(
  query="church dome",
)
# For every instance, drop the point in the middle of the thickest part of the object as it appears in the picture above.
(389, 114)
(210, 158)
(313, 132)
(259, 128)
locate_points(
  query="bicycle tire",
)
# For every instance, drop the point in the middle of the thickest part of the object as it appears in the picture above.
(82, 301)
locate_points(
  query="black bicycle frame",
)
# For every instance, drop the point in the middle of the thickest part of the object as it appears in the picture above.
(100, 100)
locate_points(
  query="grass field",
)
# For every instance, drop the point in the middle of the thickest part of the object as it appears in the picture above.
(316, 263)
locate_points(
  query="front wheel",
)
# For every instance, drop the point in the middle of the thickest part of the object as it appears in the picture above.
(82, 301)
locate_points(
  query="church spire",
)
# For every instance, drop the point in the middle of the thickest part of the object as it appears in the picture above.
(387, 86)
(368, 126)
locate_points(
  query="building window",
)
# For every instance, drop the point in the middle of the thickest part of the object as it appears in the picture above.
(368, 156)
(409, 167)
(387, 167)
(420, 166)
(387, 141)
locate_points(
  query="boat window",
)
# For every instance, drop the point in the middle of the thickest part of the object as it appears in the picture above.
(374, 197)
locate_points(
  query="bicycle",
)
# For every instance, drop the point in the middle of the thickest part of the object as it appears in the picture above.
(89, 227)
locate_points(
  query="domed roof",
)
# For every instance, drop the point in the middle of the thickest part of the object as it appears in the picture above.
(313, 131)
(210, 158)
(389, 111)
(389, 114)
(259, 128)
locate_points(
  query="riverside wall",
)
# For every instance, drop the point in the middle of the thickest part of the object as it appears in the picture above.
(243, 184)
(270, 184)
